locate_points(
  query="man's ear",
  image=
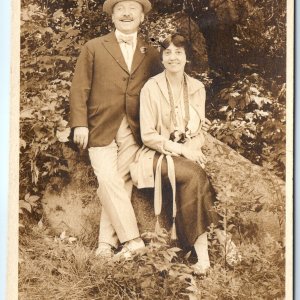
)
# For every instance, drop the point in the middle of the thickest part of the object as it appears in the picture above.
(142, 18)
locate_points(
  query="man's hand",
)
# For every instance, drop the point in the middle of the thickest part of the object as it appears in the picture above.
(206, 125)
(194, 155)
(81, 136)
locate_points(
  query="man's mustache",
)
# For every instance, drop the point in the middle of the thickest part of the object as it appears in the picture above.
(126, 19)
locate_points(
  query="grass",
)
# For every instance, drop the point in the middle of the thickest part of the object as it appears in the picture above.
(63, 268)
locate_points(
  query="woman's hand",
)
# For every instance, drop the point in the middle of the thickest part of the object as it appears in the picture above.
(206, 125)
(166, 152)
(195, 155)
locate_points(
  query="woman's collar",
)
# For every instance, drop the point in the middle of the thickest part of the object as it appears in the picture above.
(193, 84)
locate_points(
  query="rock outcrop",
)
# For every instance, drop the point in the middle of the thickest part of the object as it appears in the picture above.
(250, 193)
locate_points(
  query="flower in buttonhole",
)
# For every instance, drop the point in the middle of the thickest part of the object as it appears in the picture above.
(143, 50)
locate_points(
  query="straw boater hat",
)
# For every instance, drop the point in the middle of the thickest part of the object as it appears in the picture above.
(109, 4)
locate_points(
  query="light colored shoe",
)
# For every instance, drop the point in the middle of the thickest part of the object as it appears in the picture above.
(130, 248)
(200, 269)
(104, 251)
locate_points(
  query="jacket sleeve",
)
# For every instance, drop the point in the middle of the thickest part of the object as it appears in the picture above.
(149, 116)
(202, 96)
(80, 88)
(198, 139)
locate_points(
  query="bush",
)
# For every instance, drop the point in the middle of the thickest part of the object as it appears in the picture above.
(51, 38)
(251, 119)
(52, 34)
(248, 107)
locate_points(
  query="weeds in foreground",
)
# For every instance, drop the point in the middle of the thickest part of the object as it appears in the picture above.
(63, 268)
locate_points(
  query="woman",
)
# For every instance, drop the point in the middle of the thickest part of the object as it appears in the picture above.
(172, 116)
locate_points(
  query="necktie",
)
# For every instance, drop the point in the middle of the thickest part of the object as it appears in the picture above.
(125, 39)
(126, 44)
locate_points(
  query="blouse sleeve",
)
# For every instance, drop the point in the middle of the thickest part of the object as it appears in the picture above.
(199, 140)
(203, 100)
(199, 108)
(149, 116)
(198, 137)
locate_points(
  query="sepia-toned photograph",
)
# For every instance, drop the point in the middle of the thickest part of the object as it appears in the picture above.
(153, 148)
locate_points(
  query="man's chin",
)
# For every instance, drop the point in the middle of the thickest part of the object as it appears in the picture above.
(127, 30)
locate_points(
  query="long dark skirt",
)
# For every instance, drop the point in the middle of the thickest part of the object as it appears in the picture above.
(194, 198)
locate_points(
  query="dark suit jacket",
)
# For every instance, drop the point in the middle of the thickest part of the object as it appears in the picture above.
(103, 90)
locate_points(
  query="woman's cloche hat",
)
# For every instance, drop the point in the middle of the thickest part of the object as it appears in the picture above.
(109, 4)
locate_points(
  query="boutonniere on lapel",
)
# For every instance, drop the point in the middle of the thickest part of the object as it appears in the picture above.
(143, 50)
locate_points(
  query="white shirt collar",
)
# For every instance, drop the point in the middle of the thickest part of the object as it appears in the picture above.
(134, 34)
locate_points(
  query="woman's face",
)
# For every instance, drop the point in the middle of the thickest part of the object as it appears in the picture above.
(174, 59)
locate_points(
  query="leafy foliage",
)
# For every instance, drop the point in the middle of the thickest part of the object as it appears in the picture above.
(50, 44)
(53, 32)
(243, 70)
(62, 267)
(252, 120)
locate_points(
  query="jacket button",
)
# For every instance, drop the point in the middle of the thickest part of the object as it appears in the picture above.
(132, 77)
(124, 78)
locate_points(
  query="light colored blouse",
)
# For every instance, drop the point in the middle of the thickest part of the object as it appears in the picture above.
(180, 115)
(156, 125)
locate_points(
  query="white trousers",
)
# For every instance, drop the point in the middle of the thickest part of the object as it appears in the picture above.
(111, 166)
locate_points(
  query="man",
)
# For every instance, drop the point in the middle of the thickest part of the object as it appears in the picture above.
(104, 107)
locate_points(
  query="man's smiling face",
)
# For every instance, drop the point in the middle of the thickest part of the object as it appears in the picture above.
(127, 16)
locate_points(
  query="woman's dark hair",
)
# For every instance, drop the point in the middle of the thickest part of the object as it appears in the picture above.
(178, 40)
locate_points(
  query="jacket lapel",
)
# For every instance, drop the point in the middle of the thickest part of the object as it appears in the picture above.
(139, 54)
(112, 46)
(162, 84)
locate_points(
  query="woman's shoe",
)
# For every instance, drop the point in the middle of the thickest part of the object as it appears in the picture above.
(200, 269)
